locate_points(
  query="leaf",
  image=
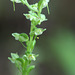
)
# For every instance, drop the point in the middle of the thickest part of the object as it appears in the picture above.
(30, 68)
(40, 5)
(23, 37)
(21, 60)
(18, 65)
(35, 22)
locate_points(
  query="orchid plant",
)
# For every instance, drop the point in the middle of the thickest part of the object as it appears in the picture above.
(36, 17)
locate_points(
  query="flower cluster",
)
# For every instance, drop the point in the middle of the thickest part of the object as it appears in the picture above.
(36, 17)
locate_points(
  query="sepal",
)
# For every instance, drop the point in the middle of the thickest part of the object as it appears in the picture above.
(30, 68)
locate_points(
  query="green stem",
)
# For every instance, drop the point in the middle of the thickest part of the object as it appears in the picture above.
(31, 39)
(24, 69)
(48, 9)
(23, 45)
(14, 5)
(35, 37)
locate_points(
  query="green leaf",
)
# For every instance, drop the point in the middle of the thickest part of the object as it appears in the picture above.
(21, 60)
(23, 37)
(40, 5)
(30, 68)
(35, 22)
(18, 65)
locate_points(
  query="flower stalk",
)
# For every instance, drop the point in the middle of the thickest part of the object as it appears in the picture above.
(36, 17)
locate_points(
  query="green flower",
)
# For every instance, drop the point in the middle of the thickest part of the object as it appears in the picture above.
(42, 18)
(31, 15)
(17, 1)
(30, 57)
(16, 35)
(34, 18)
(39, 31)
(23, 37)
(34, 6)
(13, 58)
(45, 3)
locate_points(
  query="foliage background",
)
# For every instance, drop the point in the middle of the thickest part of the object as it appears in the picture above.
(56, 47)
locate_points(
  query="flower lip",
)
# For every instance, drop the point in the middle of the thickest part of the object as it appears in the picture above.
(17, 1)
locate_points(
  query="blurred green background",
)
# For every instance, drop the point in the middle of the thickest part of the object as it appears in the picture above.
(56, 47)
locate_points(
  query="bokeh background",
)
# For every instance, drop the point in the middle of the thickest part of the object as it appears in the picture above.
(56, 47)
